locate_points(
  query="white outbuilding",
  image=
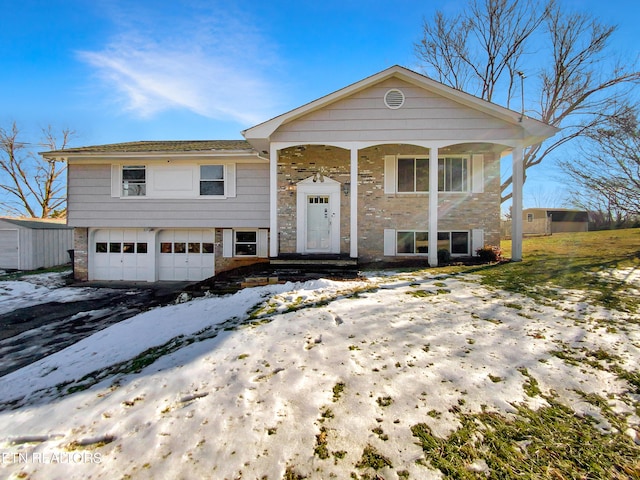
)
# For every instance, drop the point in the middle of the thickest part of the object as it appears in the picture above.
(29, 244)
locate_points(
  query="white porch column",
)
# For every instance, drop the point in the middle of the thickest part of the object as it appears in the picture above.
(273, 201)
(433, 206)
(516, 207)
(353, 195)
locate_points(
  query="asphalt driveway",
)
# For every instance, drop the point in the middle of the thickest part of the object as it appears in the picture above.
(33, 332)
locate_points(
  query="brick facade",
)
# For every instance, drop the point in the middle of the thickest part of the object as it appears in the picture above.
(81, 254)
(376, 209)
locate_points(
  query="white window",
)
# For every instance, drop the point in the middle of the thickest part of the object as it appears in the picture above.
(134, 181)
(530, 217)
(453, 174)
(245, 243)
(456, 243)
(411, 174)
(408, 242)
(212, 180)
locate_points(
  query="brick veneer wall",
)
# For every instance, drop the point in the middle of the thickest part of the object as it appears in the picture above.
(81, 254)
(377, 210)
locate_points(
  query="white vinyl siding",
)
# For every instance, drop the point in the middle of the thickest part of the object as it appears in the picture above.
(425, 115)
(94, 201)
(169, 181)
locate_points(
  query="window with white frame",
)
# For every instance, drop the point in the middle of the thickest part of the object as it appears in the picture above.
(453, 174)
(134, 181)
(457, 243)
(409, 242)
(417, 242)
(211, 179)
(413, 175)
(245, 243)
(407, 174)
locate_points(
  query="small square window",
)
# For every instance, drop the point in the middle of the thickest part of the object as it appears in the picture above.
(101, 247)
(211, 180)
(460, 243)
(128, 247)
(141, 247)
(179, 247)
(194, 247)
(115, 247)
(166, 247)
(246, 244)
(405, 242)
(207, 248)
(134, 182)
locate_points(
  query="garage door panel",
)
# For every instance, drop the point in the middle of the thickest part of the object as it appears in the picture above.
(182, 256)
(120, 254)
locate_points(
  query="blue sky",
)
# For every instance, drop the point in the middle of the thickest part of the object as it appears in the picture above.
(125, 70)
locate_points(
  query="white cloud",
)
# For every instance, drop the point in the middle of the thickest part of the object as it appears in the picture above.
(201, 62)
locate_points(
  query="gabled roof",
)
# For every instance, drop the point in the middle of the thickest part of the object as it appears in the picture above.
(534, 131)
(163, 146)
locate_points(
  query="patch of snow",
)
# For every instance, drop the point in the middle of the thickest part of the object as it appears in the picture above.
(42, 288)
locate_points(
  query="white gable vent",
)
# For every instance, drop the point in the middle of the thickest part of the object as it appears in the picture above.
(394, 98)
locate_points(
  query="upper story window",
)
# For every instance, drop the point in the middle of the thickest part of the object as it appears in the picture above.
(453, 174)
(413, 175)
(134, 181)
(211, 179)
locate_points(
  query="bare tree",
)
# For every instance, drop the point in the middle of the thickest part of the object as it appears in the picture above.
(606, 173)
(487, 48)
(32, 186)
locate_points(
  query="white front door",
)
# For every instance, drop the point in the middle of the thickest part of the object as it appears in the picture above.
(318, 223)
(318, 216)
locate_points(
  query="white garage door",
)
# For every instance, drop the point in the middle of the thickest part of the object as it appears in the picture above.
(185, 255)
(121, 255)
(9, 249)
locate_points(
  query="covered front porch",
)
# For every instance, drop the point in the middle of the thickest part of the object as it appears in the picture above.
(343, 200)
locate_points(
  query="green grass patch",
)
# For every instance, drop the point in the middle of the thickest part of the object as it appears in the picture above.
(548, 443)
(571, 261)
(372, 459)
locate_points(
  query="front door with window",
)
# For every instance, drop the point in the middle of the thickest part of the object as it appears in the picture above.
(318, 212)
(318, 223)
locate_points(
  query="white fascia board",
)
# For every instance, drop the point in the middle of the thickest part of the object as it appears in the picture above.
(101, 157)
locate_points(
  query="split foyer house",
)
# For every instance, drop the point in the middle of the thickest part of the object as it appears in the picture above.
(393, 167)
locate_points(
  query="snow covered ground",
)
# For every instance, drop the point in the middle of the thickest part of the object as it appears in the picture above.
(248, 385)
(41, 288)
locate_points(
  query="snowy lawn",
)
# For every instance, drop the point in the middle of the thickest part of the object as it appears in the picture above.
(329, 379)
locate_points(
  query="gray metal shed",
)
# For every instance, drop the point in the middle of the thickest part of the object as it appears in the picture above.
(29, 244)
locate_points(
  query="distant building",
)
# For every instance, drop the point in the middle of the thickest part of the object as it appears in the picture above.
(554, 220)
(32, 243)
